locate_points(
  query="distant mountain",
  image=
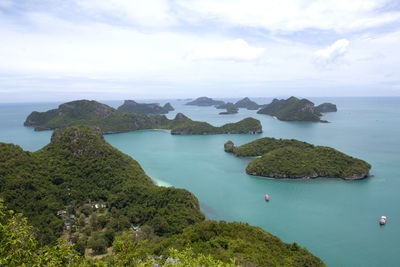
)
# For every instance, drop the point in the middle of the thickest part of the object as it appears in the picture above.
(109, 120)
(292, 109)
(204, 101)
(144, 108)
(247, 103)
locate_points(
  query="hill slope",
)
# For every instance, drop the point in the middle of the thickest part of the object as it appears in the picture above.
(79, 167)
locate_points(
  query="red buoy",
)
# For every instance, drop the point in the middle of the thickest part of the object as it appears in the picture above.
(266, 197)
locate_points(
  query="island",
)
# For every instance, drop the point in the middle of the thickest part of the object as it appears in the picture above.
(80, 190)
(230, 109)
(204, 102)
(283, 158)
(247, 103)
(109, 120)
(292, 109)
(185, 126)
(326, 107)
(144, 108)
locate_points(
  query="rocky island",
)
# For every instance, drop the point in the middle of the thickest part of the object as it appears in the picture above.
(81, 190)
(109, 120)
(292, 109)
(283, 158)
(144, 108)
(205, 102)
(326, 107)
(230, 109)
(247, 103)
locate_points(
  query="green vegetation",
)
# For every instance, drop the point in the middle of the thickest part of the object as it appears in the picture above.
(295, 159)
(247, 103)
(247, 245)
(109, 120)
(247, 126)
(77, 170)
(325, 107)
(230, 109)
(264, 145)
(204, 102)
(292, 109)
(88, 193)
(143, 108)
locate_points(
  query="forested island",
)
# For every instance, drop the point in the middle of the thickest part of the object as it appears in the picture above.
(245, 126)
(110, 120)
(283, 158)
(145, 108)
(205, 102)
(230, 109)
(294, 109)
(79, 189)
(247, 103)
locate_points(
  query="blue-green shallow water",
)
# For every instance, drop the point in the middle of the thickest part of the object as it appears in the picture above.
(336, 220)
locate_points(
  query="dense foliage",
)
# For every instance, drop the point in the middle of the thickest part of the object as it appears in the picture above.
(291, 109)
(230, 109)
(79, 168)
(144, 108)
(19, 247)
(295, 159)
(109, 120)
(204, 102)
(248, 245)
(247, 103)
(247, 126)
(264, 145)
(325, 107)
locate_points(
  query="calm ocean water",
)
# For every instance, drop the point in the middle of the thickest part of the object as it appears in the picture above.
(336, 220)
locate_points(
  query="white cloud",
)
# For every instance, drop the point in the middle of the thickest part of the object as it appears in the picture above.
(148, 13)
(293, 15)
(331, 54)
(237, 49)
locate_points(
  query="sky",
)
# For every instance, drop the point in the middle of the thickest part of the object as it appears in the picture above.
(53, 50)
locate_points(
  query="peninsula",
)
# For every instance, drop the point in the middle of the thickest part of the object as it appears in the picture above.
(292, 109)
(81, 190)
(109, 120)
(204, 102)
(283, 158)
(144, 108)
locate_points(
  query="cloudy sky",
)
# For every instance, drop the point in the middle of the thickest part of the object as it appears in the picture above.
(116, 49)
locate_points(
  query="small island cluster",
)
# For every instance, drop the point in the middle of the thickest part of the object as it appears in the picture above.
(283, 158)
(291, 109)
(126, 118)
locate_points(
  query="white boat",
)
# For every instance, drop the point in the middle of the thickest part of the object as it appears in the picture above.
(382, 221)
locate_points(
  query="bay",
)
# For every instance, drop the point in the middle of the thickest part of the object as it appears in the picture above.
(336, 220)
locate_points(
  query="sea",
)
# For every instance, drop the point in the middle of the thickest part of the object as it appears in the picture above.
(336, 220)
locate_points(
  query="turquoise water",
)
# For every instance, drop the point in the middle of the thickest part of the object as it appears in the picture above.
(336, 220)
